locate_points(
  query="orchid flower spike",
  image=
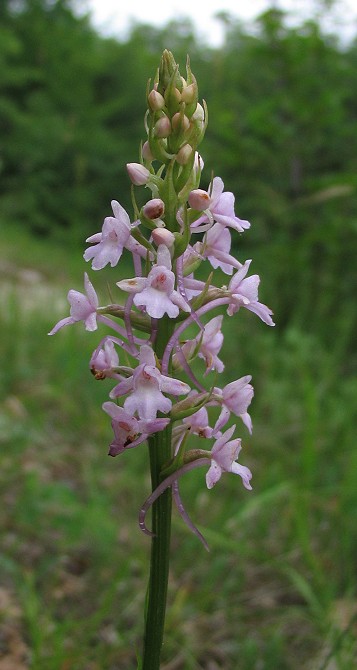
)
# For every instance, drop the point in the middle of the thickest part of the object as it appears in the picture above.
(168, 328)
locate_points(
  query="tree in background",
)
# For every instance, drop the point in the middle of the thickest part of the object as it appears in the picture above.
(285, 135)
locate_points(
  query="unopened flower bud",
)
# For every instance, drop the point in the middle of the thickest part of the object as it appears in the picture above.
(163, 236)
(184, 155)
(199, 199)
(198, 124)
(156, 100)
(189, 93)
(154, 208)
(180, 122)
(199, 113)
(163, 127)
(139, 175)
(167, 69)
(177, 94)
(172, 99)
(146, 152)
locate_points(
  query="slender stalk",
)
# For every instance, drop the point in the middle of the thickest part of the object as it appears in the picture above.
(160, 453)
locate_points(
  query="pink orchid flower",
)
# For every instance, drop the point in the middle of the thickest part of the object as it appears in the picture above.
(236, 398)
(216, 247)
(104, 360)
(156, 292)
(108, 245)
(198, 423)
(224, 454)
(129, 431)
(210, 343)
(83, 308)
(146, 387)
(244, 293)
(217, 206)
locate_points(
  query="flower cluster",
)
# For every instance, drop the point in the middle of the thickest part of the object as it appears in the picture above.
(180, 228)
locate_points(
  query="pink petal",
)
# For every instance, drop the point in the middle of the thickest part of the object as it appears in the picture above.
(262, 311)
(213, 475)
(67, 321)
(244, 472)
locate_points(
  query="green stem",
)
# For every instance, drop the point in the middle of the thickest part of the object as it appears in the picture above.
(160, 454)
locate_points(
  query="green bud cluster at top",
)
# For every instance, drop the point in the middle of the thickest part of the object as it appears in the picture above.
(175, 123)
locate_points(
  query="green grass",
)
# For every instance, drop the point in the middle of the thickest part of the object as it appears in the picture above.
(277, 590)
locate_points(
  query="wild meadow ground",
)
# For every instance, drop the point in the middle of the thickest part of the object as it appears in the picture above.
(277, 590)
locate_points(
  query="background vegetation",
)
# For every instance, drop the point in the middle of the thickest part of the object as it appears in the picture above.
(278, 589)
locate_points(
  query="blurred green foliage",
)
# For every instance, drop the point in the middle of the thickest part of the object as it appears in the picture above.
(282, 134)
(279, 587)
